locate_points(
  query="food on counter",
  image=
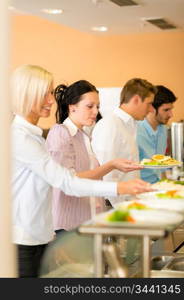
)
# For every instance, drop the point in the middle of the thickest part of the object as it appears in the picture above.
(179, 182)
(123, 212)
(160, 160)
(137, 205)
(120, 216)
(134, 205)
(168, 184)
(171, 194)
(172, 181)
(155, 215)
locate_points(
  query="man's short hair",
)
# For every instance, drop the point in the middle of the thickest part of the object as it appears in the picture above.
(163, 95)
(136, 86)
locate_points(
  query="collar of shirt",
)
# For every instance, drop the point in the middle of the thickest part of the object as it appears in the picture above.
(149, 128)
(18, 120)
(73, 129)
(125, 117)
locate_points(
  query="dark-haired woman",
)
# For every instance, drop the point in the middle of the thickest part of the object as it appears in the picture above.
(68, 144)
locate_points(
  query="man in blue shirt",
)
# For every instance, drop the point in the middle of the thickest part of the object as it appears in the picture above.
(152, 132)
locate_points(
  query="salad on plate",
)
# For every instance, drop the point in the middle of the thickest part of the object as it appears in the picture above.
(160, 161)
(123, 211)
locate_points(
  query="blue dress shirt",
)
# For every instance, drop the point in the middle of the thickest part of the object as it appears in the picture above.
(151, 142)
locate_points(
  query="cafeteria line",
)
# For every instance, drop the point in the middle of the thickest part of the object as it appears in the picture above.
(104, 250)
(35, 172)
(117, 59)
(159, 225)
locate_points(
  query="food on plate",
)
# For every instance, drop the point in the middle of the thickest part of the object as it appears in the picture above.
(160, 160)
(160, 157)
(171, 194)
(155, 215)
(120, 216)
(134, 205)
(168, 184)
(179, 182)
(123, 211)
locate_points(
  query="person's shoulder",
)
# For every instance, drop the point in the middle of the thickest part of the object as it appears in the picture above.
(58, 130)
(163, 128)
(58, 137)
(27, 145)
(142, 126)
(58, 127)
(141, 123)
(142, 132)
(106, 123)
(110, 118)
(22, 135)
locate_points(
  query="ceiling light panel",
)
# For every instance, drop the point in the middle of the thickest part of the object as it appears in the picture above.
(124, 2)
(161, 23)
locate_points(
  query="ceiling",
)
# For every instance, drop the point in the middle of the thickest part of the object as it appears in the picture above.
(85, 14)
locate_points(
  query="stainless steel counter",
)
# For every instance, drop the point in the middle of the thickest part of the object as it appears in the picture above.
(144, 233)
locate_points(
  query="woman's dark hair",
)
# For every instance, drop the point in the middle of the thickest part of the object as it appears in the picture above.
(98, 117)
(67, 95)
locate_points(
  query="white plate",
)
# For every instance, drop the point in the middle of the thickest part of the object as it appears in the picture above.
(153, 196)
(160, 166)
(173, 205)
(144, 218)
(164, 185)
(149, 195)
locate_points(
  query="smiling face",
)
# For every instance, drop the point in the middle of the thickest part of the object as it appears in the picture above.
(85, 111)
(43, 110)
(49, 100)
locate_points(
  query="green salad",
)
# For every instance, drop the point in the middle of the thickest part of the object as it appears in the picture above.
(169, 194)
(120, 216)
(154, 163)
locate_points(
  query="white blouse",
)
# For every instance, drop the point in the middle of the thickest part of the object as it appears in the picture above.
(34, 172)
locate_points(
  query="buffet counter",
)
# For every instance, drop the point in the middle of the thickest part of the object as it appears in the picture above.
(108, 261)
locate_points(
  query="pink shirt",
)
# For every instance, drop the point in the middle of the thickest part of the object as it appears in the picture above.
(67, 146)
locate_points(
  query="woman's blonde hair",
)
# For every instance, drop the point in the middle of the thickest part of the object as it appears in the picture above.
(29, 85)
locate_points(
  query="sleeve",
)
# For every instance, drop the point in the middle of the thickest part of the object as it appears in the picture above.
(34, 156)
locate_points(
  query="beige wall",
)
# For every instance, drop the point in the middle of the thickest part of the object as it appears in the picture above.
(8, 261)
(104, 60)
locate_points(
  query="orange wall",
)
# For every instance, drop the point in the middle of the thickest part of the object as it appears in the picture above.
(104, 60)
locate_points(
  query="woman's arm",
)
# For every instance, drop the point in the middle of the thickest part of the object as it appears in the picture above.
(120, 164)
(59, 145)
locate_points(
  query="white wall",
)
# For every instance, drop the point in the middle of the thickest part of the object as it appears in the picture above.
(109, 98)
